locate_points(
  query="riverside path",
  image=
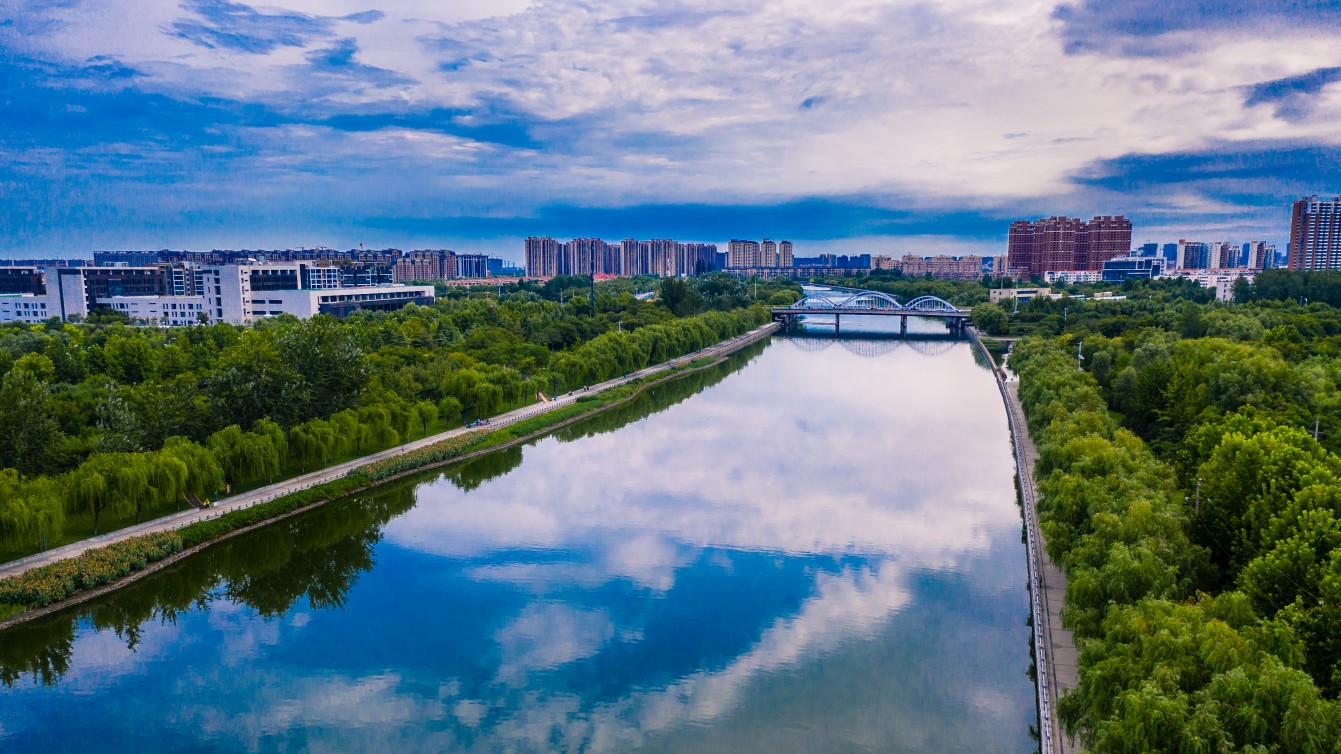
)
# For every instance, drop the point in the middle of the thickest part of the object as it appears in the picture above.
(311, 479)
(1055, 646)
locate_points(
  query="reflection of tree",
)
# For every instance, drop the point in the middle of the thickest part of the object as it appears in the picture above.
(471, 474)
(317, 555)
(660, 398)
(40, 649)
(475, 472)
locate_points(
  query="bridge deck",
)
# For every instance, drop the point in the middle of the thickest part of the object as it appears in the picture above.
(784, 310)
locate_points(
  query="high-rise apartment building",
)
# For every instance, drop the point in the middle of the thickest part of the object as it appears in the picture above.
(541, 257)
(1193, 255)
(425, 264)
(1066, 243)
(1315, 234)
(1259, 255)
(742, 253)
(967, 267)
(662, 257)
(746, 254)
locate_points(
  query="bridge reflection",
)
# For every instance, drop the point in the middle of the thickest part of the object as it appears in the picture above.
(872, 345)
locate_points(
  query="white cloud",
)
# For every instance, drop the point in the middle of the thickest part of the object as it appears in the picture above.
(763, 101)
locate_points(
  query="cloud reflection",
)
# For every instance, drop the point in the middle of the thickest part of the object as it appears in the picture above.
(854, 466)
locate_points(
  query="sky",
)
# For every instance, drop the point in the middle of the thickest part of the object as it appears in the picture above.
(846, 126)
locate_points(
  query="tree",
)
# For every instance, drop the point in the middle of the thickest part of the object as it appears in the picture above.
(30, 509)
(679, 297)
(28, 433)
(253, 381)
(167, 475)
(991, 319)
(244, 456)
(449, 409)
(427, 413)
(204, 475)
(109, 482)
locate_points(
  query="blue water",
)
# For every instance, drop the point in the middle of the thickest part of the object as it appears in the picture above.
(814, 548)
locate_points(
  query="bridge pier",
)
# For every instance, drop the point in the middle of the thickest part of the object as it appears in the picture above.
(903, 325)
(837, 323)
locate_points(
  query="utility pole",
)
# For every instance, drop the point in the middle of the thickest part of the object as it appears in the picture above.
(1315, 430)
(1079, 356)
(1196, 508)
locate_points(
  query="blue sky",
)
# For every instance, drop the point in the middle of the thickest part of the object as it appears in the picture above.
(847, 126)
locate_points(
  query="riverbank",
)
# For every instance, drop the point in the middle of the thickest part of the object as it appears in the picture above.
(1054, 645)
(501, 434)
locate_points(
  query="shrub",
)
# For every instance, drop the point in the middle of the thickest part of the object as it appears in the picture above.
(438, 451)
(52, 583)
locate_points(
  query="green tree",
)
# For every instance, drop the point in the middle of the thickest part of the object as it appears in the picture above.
(204, 474)
(109, 482)
(31, 510)
(991, 319)
(427, 413)
(28, 433)
(449, 409)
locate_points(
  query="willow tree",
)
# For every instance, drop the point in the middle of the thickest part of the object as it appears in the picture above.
(244, 456)
(30, 509)
(109, 482)
(204, 474)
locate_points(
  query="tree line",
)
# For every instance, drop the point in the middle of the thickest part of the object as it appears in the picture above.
(1191, 485)
(99, 420)
(1176, 654)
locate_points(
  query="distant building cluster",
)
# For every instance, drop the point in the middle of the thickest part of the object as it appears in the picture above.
(442, 264)
(1067, 243)
(965, 267)
(546, 257)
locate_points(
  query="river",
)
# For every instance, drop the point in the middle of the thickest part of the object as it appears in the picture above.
(812, 548)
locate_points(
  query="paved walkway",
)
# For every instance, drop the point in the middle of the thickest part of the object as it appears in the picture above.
(1054, 646)
(1061, 645)
(311, 479)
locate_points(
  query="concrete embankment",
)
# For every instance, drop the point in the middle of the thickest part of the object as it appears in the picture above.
(311, 479)
(1054, 646)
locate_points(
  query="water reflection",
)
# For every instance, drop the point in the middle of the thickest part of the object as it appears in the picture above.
(818, 552)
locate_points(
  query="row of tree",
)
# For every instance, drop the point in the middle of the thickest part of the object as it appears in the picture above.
(1170, 661)
(94, 416)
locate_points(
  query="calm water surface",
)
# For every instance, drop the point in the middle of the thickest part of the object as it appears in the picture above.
(814, 548)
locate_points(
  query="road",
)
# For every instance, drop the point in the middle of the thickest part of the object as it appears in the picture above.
(311, 479)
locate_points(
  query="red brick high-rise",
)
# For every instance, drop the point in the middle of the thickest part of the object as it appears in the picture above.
(1067, 243)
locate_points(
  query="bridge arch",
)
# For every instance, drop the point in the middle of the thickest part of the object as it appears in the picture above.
(873, 299)
(931, 304)
(815, 302)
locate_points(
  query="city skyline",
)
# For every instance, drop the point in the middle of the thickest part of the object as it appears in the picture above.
(883, 127)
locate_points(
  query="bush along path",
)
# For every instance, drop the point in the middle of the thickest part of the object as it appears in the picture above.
(44, 588)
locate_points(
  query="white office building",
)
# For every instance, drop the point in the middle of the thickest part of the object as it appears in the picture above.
(177, 295)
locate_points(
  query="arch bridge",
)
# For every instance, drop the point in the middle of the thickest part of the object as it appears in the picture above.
(875, 303)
